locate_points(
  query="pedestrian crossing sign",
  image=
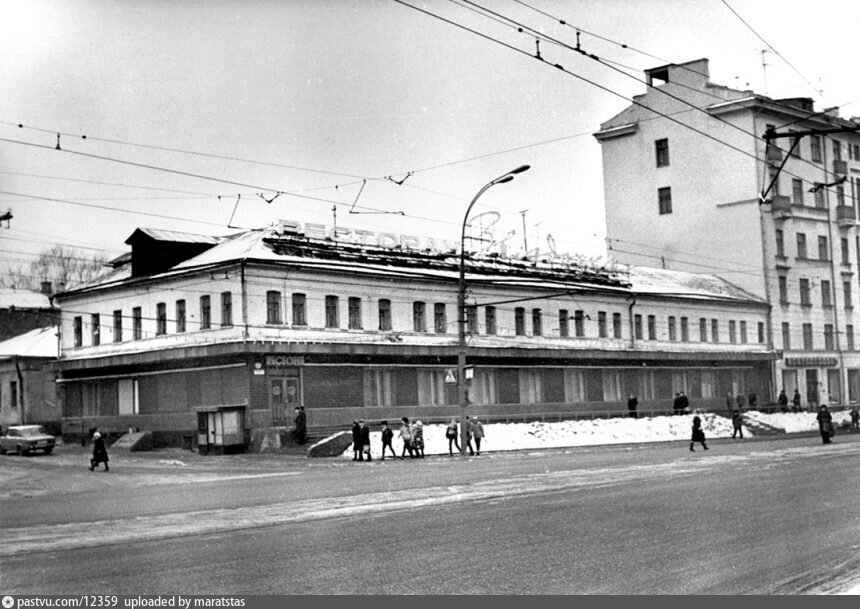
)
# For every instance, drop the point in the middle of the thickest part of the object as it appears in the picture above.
(450, 377)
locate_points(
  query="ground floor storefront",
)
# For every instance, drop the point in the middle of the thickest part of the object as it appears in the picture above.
(230, 390)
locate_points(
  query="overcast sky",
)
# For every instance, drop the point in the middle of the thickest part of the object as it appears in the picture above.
(322, 99)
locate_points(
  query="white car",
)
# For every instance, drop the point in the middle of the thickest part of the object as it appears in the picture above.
(26, 438)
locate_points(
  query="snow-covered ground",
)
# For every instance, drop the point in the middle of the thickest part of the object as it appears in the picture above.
(519, 436)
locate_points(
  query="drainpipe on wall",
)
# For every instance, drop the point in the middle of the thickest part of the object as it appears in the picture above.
(21, 400)
(244, 300)
(632, 299)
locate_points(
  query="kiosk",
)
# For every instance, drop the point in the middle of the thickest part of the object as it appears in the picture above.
(221, 429)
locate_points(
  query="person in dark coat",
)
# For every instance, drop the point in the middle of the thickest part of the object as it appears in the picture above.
(676, 404)
(100, 454)
(737, 424)
(301, 421)
(855, 419)
(683, 403)
(632, 403)
(752, 400)
(387, 439)
(451, 434)
(782, 401)
(825, 424)
(356, 442)
(795, 401)
(698, 434)
(365, 439)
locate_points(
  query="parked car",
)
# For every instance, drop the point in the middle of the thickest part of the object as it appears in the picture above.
(26, 438)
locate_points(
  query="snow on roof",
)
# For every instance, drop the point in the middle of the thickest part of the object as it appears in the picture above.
(23, 299)
(174, 236)
(647, 280)
(41, 342)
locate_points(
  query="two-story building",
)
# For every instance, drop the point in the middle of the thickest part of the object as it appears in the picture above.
(352, 324)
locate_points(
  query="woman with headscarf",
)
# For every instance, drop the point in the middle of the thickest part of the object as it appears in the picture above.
(100, 454)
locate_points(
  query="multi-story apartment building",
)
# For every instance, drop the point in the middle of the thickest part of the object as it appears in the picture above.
(362, 325)
(691, 183)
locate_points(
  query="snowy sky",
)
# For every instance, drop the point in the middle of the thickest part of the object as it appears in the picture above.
(325, 99)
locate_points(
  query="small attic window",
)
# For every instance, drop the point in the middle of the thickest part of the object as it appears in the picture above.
(659, 74)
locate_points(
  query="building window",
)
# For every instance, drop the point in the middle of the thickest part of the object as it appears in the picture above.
(715, 330)
(419, 316)
(472, 319)
(823, 252)
(662, 149)
(332, 312)
(601, 324)
(95, 328)
(117, 326)
(563, 325)
(579, 323)
(664, 198)
(733, 331)
(846, 290)
(685, 330)
(520, 321)
(826, 294)
(13, 394)
(786, 336)
(801, 245)
(490, 320)
(672, 330)
(840, 195)
(205, 313)
(780, 244)
(773, 180)
(180, 316)
(161, 318)
(273, 307)
(537, 322)
(652, 327)
(807, 337)
(837, 150)
(795, 145)
(300, 310)
(849, 337)
(354, 305)
(783, 289)
(846, 253)
(440, 322)
(637, 326)
(616, 325)
(797, 191)
(761, 332)
(226, 309)
(805, 300)
(815, 148)
(137, 323)
(703, 330)
(828, 337)
(818, 193)
(384, 315)
(744, 332)
(78, 323)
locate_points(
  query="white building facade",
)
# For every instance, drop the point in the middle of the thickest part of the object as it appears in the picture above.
(685, 168)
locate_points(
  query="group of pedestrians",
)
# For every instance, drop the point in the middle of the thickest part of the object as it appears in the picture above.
(412, 436)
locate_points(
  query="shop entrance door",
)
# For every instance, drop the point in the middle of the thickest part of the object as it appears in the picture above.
(283, 398)
(812, 388)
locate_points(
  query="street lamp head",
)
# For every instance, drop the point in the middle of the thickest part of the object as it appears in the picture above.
(505, 178)
(510, 175)
(520, 169)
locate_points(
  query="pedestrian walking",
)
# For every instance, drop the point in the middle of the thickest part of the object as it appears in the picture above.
(478, 434)
(418, 439)
(782, 401)
(451, 434)
(469, 430)
(855, 419)
(684, 403)
(387, 439)
(406, 436)
(100, 454)
(795, 401)
(365, 439)
(825, 424)
(632, 404)
(301, 430)
(356, 442)
(737, 424)
(698, 434)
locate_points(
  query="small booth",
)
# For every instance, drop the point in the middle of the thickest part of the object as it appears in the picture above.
(221, 429)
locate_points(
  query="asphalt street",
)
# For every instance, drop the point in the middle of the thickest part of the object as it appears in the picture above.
(768, 516)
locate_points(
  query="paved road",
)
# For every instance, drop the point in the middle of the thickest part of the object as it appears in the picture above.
(758, 517)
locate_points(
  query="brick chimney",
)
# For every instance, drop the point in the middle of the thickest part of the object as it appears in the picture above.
(46, 288)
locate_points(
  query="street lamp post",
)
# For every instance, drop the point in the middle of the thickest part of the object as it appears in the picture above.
(462, 391)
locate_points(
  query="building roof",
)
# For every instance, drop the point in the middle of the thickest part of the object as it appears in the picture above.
(23, 299)
(653, 281)
(172, 236)
(41, 342)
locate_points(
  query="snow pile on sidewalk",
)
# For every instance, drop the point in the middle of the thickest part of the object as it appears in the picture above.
(535, 435)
